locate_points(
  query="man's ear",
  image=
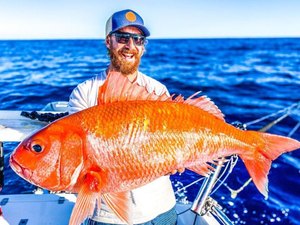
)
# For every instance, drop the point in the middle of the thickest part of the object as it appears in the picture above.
(107, 42)
(143, 50)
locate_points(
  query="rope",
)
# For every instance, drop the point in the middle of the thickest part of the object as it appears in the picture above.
(189, 185)
(232, 162)
(288, 111)
(294, 129)
(43, 117)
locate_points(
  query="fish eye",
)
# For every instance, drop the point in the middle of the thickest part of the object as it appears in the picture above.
(37, 148)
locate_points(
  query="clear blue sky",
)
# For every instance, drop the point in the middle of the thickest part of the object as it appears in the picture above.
(48, 19)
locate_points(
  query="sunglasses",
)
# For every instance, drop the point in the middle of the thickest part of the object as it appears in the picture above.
(123, 38)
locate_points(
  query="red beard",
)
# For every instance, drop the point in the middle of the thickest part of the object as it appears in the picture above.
(123, 66)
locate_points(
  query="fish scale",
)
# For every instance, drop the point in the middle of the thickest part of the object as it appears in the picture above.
(169, 137)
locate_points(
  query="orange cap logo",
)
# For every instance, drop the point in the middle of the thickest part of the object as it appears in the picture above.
(130, 16)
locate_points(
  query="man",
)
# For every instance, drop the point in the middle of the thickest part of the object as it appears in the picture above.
(125, 40)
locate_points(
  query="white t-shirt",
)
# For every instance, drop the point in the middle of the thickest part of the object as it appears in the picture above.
(151, 199)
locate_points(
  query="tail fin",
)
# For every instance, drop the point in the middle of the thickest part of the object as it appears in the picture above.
(269, 148)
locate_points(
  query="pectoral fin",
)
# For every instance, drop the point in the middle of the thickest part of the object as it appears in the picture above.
(121, 204)
(88, 194)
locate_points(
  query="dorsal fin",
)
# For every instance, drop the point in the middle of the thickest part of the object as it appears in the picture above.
(205, 103)
(117, 87)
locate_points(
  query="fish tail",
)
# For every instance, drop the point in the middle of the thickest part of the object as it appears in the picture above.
(258, 163)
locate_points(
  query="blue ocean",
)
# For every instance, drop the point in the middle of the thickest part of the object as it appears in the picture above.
(248, 79)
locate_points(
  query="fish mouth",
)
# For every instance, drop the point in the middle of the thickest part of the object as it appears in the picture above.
(23, 172)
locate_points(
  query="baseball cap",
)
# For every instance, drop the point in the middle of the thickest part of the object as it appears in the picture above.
(125, 18)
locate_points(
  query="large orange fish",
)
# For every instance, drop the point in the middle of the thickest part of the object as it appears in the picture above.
(131, 138)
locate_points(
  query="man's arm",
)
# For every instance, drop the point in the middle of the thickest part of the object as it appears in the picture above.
(78, 100)
(85, 95)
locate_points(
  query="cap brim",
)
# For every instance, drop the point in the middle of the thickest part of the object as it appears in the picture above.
(143, 29)
(139, 26)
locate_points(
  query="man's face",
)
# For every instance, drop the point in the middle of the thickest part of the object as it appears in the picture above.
(125, 57)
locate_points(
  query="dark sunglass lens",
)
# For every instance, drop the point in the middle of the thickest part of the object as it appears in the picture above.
(122, 38)
(138, 40)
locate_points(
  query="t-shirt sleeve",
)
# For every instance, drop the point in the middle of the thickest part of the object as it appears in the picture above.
(85, 95)
(153, 85)
(78, 99)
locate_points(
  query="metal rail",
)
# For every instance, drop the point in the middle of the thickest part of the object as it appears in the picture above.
(205, 190)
